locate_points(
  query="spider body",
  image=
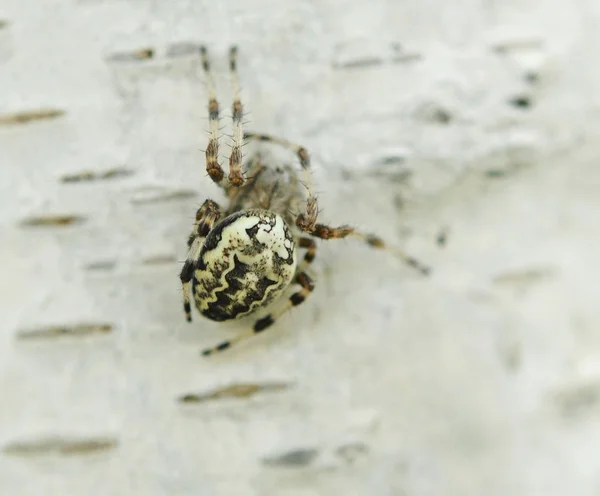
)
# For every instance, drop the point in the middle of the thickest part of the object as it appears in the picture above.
(247, 260)
(244, 257)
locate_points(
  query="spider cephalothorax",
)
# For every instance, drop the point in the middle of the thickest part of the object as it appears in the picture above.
(244, 257)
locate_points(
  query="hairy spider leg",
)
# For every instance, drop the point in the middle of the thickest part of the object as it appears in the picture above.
(213, 168)
(326, 232)
(236, 177)
(311, 252)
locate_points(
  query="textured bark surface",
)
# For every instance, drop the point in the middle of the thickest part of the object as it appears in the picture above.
(466, 133)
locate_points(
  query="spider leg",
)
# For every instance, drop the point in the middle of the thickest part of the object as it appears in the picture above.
(213, 168)
(325, 232)
(308, 219)
(206, 216)
(236, 177)
(311, 251)
(307, 286)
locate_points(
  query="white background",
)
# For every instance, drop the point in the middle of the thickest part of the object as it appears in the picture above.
(481, 379)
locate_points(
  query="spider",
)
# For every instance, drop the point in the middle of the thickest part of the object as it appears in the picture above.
(243, 257)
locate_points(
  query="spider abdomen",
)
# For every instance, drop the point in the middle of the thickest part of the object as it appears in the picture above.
(247, 260)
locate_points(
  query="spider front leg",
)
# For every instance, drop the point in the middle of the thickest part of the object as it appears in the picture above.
(213, 168)
(236, 177)
(307, 286)
(206, 216)
(325, 232)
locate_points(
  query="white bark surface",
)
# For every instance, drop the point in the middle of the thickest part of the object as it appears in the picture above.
(483, 379)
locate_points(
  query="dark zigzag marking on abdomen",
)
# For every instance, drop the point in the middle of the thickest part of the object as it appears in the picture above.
(224, 307)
